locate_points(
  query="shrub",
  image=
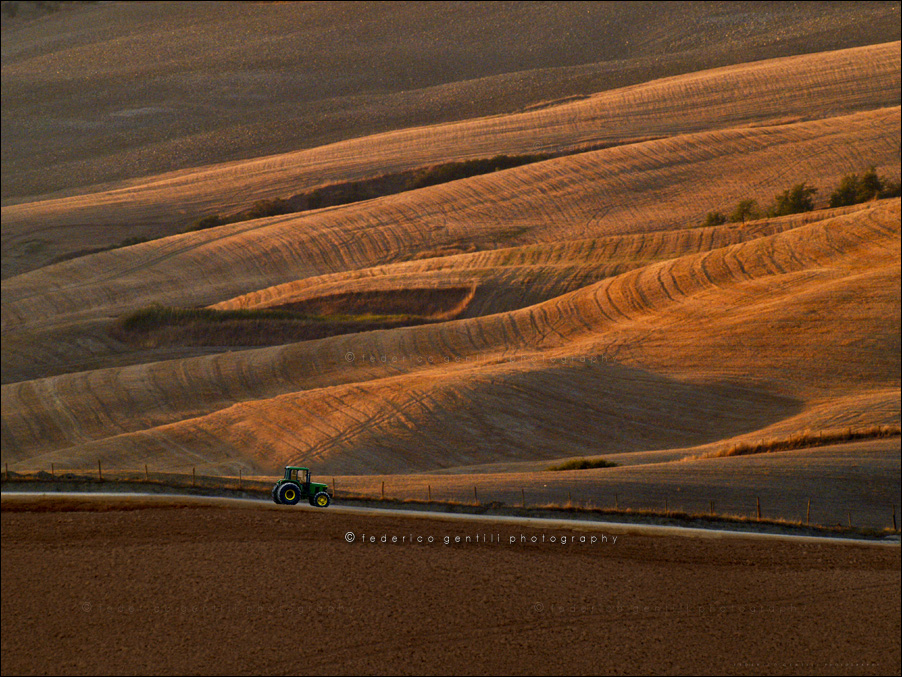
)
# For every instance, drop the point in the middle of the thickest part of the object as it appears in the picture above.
(211, 221)
(891, 189)
(854, 189)
(715, 219)
(847, 192)
(796, 200)
(452, 171)
(745, 210)
(129, 241)
(367, 189)
(869, 186)
(264, 208)
(583, 464)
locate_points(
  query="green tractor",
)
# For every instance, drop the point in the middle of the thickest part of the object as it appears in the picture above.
(296, 485)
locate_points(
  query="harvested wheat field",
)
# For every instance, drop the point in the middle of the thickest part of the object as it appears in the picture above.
(606, 255)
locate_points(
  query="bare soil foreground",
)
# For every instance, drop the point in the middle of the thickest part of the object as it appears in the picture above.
(175, 586)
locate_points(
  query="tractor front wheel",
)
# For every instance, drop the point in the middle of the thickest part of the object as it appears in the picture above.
(322, 500)
(289, 494)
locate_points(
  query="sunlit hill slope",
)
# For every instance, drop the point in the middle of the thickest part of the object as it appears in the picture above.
(573, 305)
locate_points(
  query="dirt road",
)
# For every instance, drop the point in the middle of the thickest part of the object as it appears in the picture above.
(94, 586)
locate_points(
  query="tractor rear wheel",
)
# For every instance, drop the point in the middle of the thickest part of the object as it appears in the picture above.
(322, 500)
(275, 496)
(289, 493)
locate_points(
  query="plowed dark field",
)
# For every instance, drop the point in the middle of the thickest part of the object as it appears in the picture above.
(172, 586)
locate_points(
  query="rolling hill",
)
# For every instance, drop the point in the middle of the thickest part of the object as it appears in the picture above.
(573, 305)
(106, 92)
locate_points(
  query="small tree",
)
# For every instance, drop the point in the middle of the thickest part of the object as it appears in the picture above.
(715, 219)
(745, 210)
(847, 192)
(796, 200)
(870, 185)
(891, 188)
(854, 189)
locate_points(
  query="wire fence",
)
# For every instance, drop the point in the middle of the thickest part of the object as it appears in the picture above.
(485, 499)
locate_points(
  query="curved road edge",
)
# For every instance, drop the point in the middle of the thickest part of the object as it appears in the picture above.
(575, 525)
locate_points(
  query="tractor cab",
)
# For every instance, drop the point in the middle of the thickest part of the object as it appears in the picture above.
(296, 474)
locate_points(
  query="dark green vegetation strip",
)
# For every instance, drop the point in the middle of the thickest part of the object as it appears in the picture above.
(853, 189)
(368, 189)
(166, 325)
(127, 242)
(583, 464)
(154, 316)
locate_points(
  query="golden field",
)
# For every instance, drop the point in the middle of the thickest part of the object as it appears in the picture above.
(575, 305)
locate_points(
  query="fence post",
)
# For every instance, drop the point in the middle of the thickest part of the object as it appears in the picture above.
(850, 519)
(522, 497)
(429, 492)
(146, 474)
(383, 490)
(808, 514)
(99, 471)
(193, 475)
(758, 507)
(475, 496)
(52, 472)
(712, 507)
(239, 478)
(894, 516)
